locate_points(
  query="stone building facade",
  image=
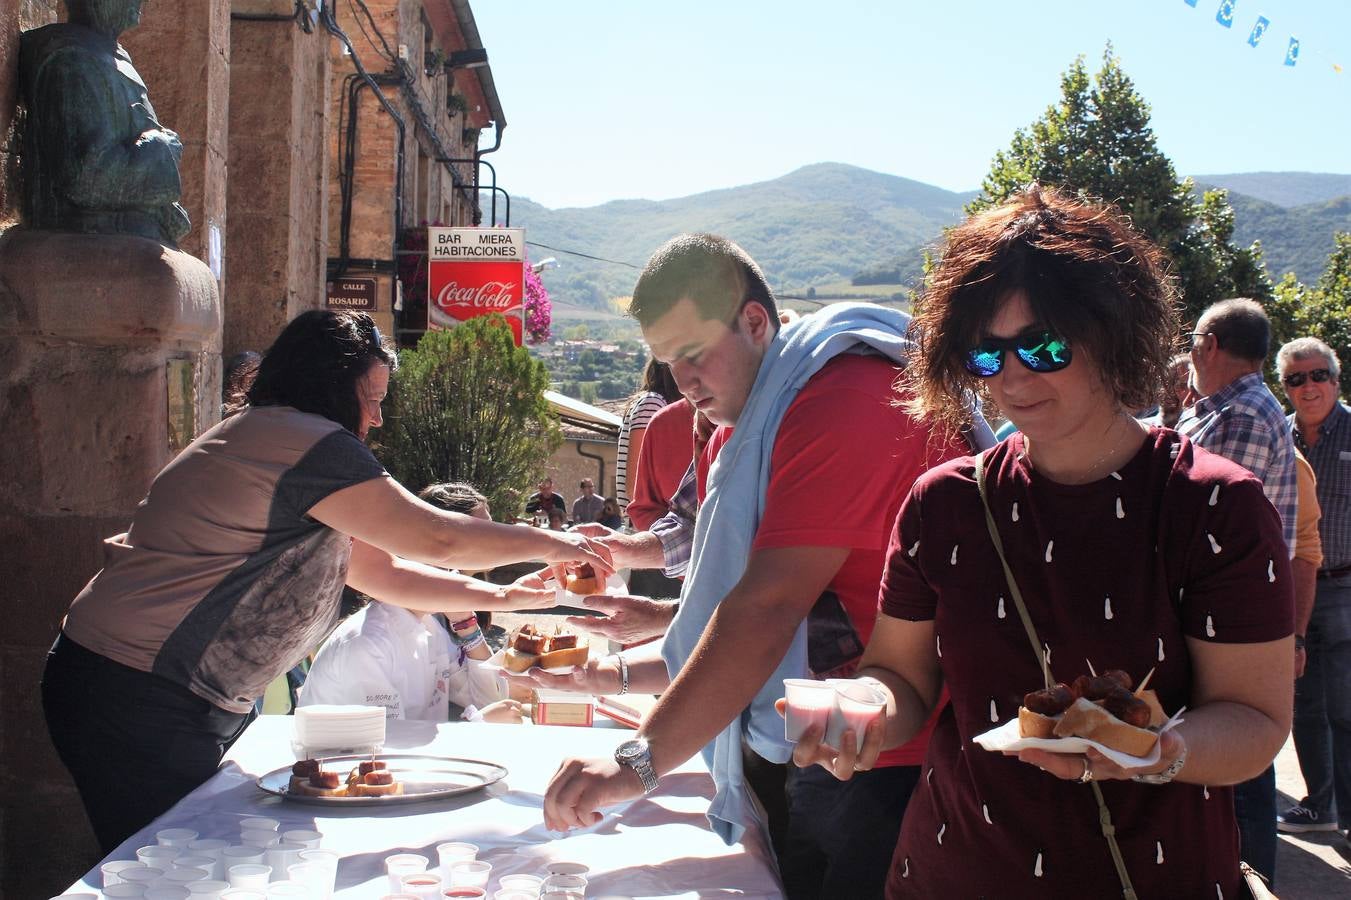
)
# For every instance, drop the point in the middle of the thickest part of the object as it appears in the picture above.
(290, 174)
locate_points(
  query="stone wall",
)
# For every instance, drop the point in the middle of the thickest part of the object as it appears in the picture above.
(182, 50)
(277, 233)
(16, 16)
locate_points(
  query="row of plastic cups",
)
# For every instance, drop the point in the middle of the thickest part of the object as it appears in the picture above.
(216, 856)
(836, 705)
(462, 874)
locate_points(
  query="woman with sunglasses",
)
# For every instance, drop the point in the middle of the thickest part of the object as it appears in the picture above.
(1131, 550)
(233, 567)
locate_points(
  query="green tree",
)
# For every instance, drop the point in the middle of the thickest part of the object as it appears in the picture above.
(1323, 310)
(468, 405)
(1097, 142)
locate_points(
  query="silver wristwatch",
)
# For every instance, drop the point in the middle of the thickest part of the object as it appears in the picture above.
(1167, 774)
(636, 755)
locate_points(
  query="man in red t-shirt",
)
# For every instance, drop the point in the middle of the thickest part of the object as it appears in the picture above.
(843, 457)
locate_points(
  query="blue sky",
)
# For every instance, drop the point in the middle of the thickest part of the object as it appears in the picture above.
(611, 99)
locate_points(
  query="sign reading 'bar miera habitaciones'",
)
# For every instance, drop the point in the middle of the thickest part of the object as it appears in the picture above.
(473, 272)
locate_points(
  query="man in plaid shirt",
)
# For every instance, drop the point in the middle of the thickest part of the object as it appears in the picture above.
(1238, 418)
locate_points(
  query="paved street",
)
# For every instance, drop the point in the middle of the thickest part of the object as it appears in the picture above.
(1308, 866)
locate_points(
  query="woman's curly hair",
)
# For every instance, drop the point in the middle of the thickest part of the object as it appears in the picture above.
(1088, 276)
(315, 362)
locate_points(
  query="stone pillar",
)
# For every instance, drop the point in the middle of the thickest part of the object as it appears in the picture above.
(277, 237)
(109, 363)
(182, 50)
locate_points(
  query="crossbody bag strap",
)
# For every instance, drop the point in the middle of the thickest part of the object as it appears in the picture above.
(1008, 574)
(1104, 815)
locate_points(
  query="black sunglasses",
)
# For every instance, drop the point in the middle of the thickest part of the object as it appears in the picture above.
(1039, 351)
(1297, 379)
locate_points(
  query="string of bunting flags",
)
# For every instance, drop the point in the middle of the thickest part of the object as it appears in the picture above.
(1225, 16)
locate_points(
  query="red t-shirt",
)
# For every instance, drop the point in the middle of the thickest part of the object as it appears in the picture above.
(1178, 544)
(844, 457)
(668, 447)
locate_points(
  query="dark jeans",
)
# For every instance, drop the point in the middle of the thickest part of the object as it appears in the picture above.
(1255, 809)
(1322, 725)
(842, 834)
(135, 743)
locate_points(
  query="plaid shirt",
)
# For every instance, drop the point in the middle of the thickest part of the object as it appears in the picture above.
(675, 530)
(1331, 461)
(1244, 423)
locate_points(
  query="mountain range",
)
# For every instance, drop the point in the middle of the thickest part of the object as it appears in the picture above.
(820, 225)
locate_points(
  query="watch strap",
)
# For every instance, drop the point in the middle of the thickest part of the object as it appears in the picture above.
(640, 762)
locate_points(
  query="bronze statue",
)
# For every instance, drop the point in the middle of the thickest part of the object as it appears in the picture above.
(95, 158)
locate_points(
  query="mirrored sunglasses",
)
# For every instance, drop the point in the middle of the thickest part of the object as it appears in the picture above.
(1038, 351)
(1297, 379)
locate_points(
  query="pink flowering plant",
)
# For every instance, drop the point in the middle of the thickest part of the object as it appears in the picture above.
(538, 308)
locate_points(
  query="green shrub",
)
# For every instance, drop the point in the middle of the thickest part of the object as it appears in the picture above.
(468, 405)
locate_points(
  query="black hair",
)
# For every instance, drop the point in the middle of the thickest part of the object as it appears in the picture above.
(315, 362)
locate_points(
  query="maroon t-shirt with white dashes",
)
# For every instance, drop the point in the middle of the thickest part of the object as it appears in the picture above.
(1178, 544)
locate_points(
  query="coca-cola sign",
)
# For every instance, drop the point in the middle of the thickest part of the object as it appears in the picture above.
(459, 290)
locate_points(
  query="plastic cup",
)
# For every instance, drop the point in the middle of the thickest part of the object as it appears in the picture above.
(281, 857)
(513, 894)
(808, 703)
(243, 894)
(166, 892)
(124, 889)
(238, 856)
(422, 884)
(111, 868)
(184, 875)
(196, 861)
(258, 837)
(572, 883)
(287, 890)
(306, 836)
(158, 856)
(464, 893)
(175, 837)
(401, 864)
(567, 868)
(250, 875)
(210, 848)
(315, 876)
(453, 852)
(470, 873)
(207, 890)
(328, 861)
(531, 883)
(262, 823)
(855, 707)
(562, 895)
(143, 875)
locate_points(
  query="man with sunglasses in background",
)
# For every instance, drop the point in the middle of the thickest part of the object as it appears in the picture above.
(1239, 418)
(1321, 424)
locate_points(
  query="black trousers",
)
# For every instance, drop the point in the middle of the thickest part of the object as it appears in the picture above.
(842, 834)
(134, 742)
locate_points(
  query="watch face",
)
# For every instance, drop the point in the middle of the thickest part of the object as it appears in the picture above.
(632, 749)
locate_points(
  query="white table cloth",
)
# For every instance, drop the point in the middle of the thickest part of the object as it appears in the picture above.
(658, 846)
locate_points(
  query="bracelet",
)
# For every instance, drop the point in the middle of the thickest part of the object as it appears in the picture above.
(468, 622)
(471, 639)
(623, 673)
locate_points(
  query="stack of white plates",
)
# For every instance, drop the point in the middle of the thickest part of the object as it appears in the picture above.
(340, 728)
